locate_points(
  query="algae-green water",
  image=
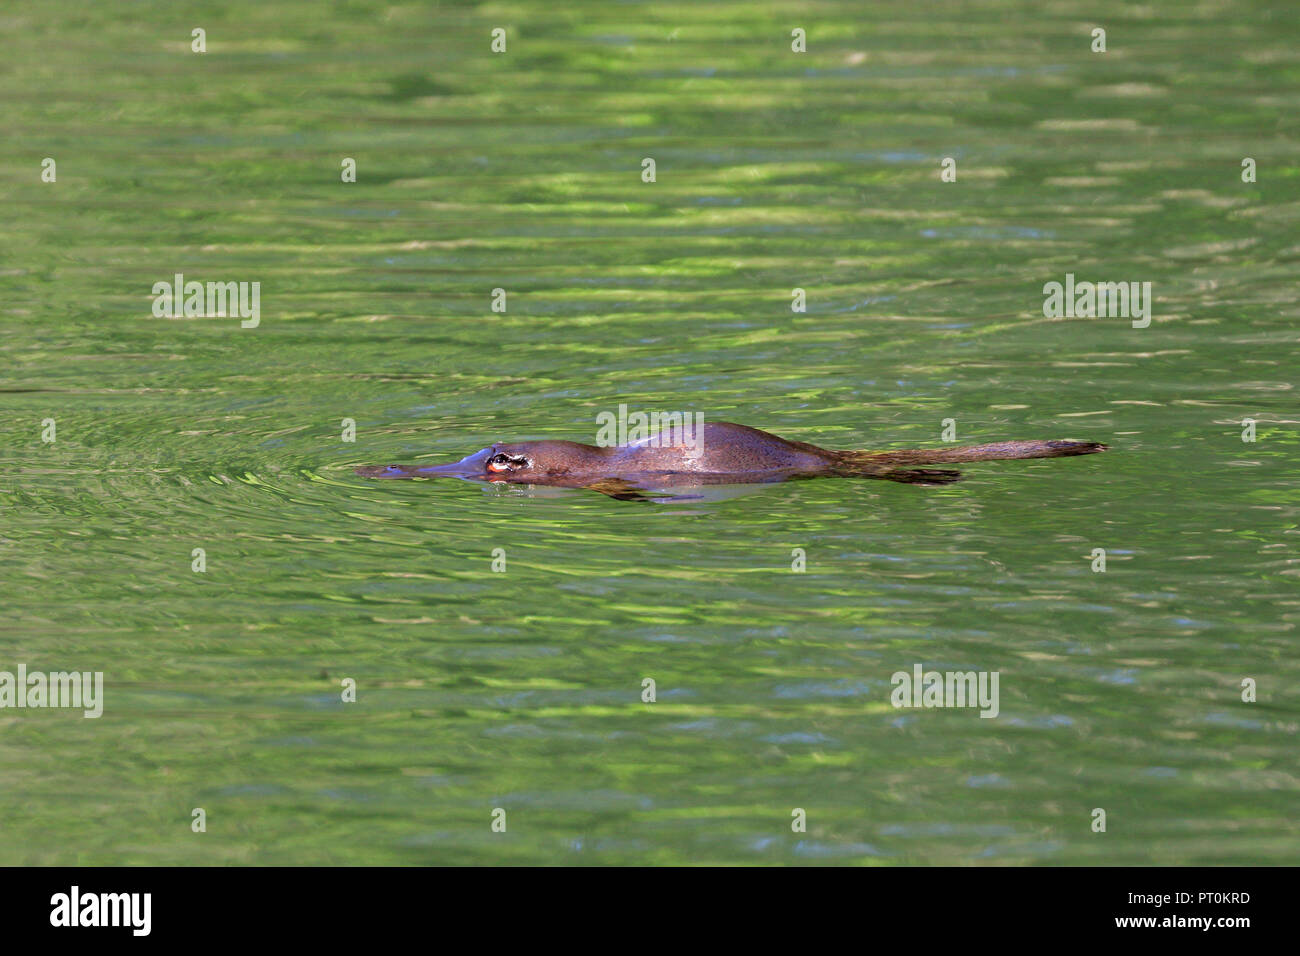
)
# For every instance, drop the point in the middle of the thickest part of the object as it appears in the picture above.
(135, 448)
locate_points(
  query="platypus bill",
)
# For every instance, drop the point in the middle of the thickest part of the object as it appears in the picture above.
(725, 454)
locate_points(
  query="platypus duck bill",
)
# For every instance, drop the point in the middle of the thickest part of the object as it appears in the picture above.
(725, 453)
(475, 465)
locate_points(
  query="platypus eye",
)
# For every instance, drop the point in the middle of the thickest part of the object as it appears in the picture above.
(502, 462)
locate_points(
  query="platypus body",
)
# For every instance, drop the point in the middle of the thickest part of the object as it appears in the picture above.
(716, 453)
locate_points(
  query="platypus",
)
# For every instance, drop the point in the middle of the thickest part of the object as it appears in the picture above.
(717, 453)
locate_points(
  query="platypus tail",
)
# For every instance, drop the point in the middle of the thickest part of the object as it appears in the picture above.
(874, 463)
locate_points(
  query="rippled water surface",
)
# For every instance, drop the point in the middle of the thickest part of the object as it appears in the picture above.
(522, 690)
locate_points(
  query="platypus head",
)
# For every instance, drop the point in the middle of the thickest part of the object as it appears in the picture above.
(501, 461)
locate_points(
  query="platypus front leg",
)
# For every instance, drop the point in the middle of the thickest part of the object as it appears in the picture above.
(620, 489)
(623, 490)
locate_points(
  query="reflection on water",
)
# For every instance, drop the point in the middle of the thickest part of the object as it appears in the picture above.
(521, 689)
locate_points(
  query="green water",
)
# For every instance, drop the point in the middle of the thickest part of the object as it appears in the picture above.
(522, 690)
